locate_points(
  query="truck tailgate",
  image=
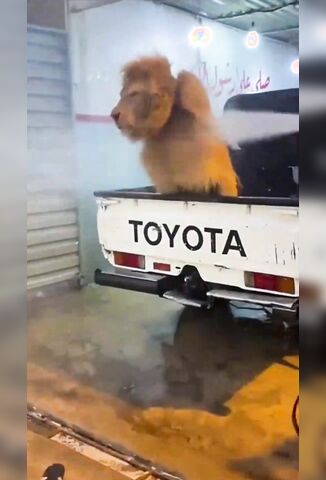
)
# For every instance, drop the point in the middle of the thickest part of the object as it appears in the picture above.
(222, 240)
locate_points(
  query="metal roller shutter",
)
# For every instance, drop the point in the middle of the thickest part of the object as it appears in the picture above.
(52, 221)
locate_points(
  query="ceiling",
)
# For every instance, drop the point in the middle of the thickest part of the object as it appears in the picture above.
(80, 5)
(278, 19)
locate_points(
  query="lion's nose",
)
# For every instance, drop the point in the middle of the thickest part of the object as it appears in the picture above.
(115, 114)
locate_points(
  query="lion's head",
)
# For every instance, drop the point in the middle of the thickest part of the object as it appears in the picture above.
(146, 98)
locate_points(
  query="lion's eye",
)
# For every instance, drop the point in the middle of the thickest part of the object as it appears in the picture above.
(133, 94)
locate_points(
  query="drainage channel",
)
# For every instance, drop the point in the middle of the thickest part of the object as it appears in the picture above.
(99, 450)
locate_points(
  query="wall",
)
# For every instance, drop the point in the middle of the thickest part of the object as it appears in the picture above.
(105, 38)
(52, 230)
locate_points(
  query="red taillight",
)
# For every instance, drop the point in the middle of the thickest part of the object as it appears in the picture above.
(265, 282)
(274, 283)
(163, 267)
(129, 260)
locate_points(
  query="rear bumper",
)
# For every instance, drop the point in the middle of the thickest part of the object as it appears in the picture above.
(157, 284)
(137, 281)
(267, 300)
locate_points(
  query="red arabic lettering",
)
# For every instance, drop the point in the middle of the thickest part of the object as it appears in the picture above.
(260, 85)
(225, 81)
(245, 81)
(204, 76)
(231, 84)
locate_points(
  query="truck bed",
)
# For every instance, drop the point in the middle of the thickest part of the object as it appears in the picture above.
(149, 193)
(223, 238)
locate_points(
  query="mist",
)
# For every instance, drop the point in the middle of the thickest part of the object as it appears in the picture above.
(238, 127)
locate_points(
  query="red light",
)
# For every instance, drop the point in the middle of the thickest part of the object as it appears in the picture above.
(273, 283)
(129, 260)
(164, 267)
(265, 282)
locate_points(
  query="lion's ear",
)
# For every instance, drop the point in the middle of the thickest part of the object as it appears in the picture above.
(192, 96)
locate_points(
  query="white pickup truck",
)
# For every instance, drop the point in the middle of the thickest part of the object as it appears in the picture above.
(197, 249)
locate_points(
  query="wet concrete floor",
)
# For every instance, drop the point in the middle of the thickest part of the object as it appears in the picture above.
(201, 393)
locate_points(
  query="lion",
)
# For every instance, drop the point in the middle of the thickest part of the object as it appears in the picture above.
(182, 150)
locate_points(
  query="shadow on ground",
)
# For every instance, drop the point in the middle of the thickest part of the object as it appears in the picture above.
(150, 352)
(282, 462)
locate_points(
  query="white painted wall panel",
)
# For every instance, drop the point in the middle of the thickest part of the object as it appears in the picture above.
(41, 267)
(51, 278)
(43, 103)
(52, 225)
(45, 203)
(51, 219)
(50, 250)
(38, 237)
(44, 53)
